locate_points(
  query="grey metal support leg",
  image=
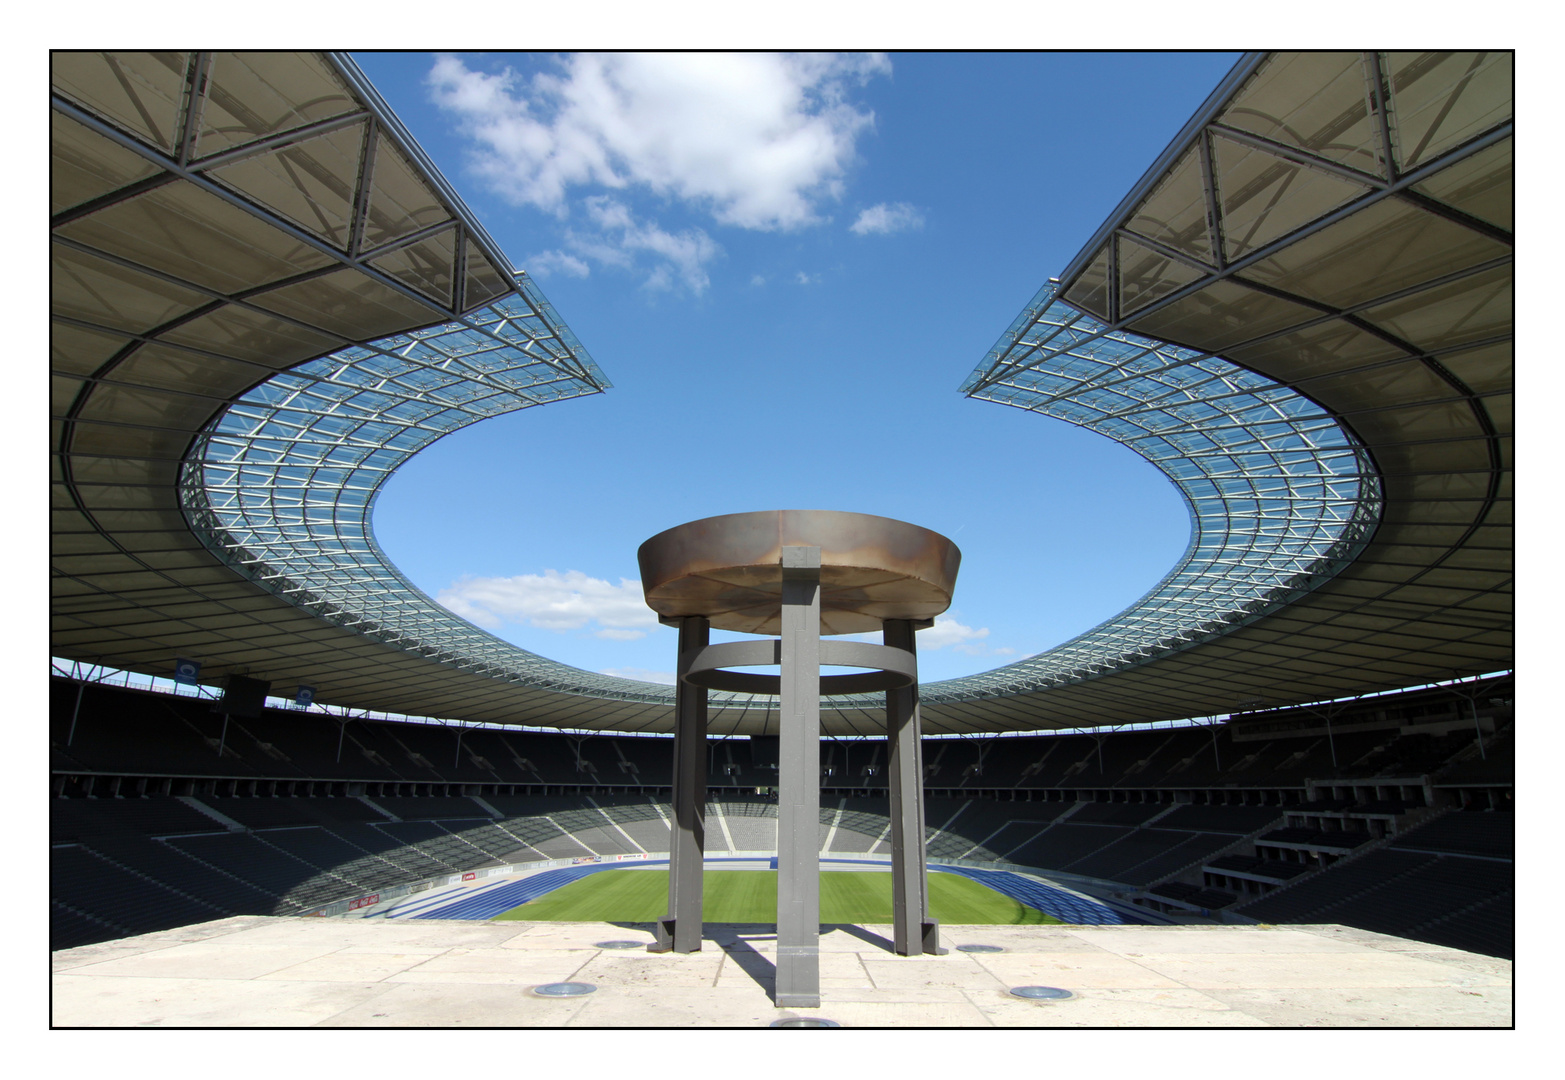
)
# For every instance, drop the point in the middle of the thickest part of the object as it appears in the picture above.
(914, 932)
(799, 793)
(680, 929)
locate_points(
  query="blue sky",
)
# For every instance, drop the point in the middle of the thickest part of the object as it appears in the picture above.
(786, 265)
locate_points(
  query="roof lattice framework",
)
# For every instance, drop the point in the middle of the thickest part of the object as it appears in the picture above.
(266, 298)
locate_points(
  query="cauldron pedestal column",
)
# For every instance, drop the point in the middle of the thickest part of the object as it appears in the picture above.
(680, 929)
(913, 931)
(798, 783)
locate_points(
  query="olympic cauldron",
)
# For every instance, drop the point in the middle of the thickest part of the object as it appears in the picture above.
(799, 574)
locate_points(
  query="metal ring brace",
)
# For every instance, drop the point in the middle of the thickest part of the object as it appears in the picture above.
(894, 668)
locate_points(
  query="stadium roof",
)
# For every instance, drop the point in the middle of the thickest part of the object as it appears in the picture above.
(266, 299)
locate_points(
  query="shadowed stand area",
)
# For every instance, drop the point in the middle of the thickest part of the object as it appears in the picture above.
(799, 574)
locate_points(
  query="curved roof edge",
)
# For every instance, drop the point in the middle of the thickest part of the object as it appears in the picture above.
(282, 483)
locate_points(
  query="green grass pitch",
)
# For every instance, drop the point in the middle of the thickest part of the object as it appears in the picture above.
(750, 896)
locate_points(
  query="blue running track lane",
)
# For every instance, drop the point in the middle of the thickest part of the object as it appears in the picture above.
(429, 900)
(1062, 905)
(486, 903)
(490, 900)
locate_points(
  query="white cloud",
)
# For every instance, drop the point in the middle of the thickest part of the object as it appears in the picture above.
(552, 601)
(641, 675)
(805, 279)
(756, 139)
(885, 218)
(619, 240)
(948, 633)
(547, 262)
(757, 281)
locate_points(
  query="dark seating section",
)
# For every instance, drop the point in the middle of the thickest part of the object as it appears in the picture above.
(156, 827)
(1256, 866)
(439, 844)
(1194, 895)
(427, 808)
(1487, 834)
(1239, 820)
(1426, 897)
(123, 900)
(71, 819)
(1496, 765)
(1316, 838)
(136, 732)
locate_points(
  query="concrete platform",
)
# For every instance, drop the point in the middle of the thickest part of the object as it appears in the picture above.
(251, 971)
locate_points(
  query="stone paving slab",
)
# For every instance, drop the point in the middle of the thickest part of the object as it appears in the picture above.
(208, 961)
(1144, 940)
(350, 965)
(303, 972)
(138, 1001)
(1233, 970)
(1075, 970)
(1119, 1008)
(1413, 1006)
(456, 1004)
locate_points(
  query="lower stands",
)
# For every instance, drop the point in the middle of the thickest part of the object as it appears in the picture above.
(163, 819)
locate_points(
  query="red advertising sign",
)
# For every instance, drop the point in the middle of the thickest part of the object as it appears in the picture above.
(469, 876)
(364, 901)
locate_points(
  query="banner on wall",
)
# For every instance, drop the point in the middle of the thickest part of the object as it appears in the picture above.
(586, 859)
(364, 901)
(187, 672)
(623, 858)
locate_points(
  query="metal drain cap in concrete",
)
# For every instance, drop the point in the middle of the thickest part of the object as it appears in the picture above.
(1041, 993)
(804, 1022)
(979, 948)
(618, 944)
(564, 989)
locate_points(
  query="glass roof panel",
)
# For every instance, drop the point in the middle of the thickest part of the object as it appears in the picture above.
(62, 393)
(346, 302)
(401, 202)
(1281, 497)
(251, 95)
(81, 351)
(1410, 380)
(1265, 197)
(1090, 291)
(1387, 247)
(192, 234)
(1220, 315)
(92, 289)
(1175, 212)
(1483, 185)
(135, 405)
(251, 335)
(1146, 275)
(311, 183)
(310, 455)
(1485, 369)
(89, 438)
(1442, 99)
(142, 92)
(1471, 309)
(426, 265)
(484, 282)
(1315, 101)
(84, 165)
(177, 369)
